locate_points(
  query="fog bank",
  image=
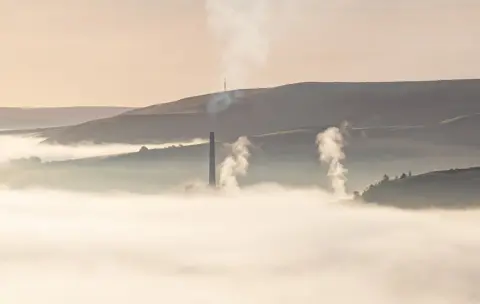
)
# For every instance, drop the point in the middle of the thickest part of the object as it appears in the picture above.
(263, 245)
(16, 147)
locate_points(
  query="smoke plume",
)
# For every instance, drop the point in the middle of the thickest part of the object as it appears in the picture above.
(236, 164)
(330, 148)
(240, 26)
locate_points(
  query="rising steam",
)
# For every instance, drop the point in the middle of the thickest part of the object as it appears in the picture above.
(330, 148)
(240, 26)
(236, 164)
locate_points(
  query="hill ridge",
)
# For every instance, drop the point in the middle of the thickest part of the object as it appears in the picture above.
(281, 108)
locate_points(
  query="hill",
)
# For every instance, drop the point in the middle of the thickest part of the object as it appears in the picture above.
(31, 118)
(455, 188)
(289, 107)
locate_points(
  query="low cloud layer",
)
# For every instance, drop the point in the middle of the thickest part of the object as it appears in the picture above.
(262, 245)
(18, 147)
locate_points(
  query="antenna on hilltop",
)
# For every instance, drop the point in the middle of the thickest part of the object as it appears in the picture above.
(225, 84)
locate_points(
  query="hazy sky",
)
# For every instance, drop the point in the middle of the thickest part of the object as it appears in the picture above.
(141, 52)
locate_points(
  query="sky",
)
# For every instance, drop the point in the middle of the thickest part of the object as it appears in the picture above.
(143, 52)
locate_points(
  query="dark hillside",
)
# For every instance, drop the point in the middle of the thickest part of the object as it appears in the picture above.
(456, 188)
(287, 108)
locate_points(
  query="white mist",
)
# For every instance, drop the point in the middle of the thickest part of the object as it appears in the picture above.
(330, 148)
(265, 245)
(235, 165)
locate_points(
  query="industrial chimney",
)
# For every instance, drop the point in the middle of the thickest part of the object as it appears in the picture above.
(212, 180)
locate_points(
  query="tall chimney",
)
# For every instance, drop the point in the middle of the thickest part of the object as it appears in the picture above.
(212, 180)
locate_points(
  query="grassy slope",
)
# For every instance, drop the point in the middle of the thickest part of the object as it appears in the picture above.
(285, 108)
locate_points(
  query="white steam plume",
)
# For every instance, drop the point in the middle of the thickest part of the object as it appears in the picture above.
(330, 148)
(240, 26)
(264, 246)
(236, 164)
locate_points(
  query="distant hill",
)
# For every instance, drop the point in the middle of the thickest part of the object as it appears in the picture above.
(260, 111)
(31, 118)
(455, 188)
